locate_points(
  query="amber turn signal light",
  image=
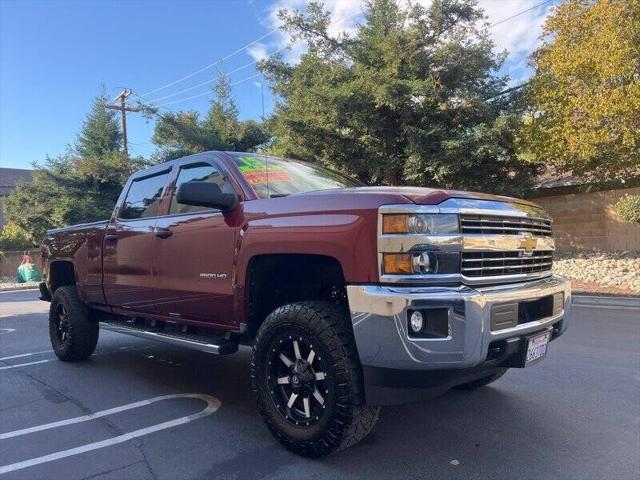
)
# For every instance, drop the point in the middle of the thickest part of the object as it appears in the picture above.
(398, 263)
(394, 224)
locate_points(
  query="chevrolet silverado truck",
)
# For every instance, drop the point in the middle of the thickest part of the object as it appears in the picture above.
(351, 297)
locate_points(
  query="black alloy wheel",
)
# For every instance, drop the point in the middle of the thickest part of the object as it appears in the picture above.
(307, 378)
(73, 334)
(297, 379)
(61, 322)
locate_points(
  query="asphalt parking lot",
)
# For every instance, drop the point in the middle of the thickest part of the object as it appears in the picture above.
(141, 410)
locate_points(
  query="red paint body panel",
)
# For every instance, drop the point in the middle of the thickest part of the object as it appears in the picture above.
(128, 265)
(198, 274)
(199, 244)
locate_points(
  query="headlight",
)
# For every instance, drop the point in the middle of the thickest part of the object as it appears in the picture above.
(420, 223)
(420, 263)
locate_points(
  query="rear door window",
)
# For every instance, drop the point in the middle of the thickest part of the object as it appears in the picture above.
(143, 197)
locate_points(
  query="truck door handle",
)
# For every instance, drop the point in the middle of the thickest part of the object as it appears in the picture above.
(111, 234)
(163, 233)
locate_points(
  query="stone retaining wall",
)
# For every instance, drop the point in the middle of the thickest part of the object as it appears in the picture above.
(588, 221)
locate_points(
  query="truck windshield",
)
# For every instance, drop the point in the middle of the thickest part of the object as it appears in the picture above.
(276, 177)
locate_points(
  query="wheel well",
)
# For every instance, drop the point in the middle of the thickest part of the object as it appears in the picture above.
(279, 279)
(61, 273)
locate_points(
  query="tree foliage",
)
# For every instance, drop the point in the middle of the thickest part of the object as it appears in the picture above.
(183, 133)
(12, 237)
(585, 94)
(410, 98)
(82, 185)
(100, 132)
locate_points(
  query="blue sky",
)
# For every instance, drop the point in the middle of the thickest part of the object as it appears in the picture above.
(55, 56)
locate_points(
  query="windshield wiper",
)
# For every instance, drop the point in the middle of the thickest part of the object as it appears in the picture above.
(278, 195)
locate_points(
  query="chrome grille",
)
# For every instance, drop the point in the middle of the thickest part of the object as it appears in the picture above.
(490, 264)
(497, 225)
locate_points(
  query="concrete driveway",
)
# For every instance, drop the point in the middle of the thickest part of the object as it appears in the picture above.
(141, 410)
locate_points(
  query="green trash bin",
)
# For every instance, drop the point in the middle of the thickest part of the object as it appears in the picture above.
(28, 272)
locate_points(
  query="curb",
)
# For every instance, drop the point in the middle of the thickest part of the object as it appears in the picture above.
(601, 301)
(18, 289)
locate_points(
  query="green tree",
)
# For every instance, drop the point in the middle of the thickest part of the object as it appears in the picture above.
(410, 98)
(12, 237)
(183, 133)
(100, 132)
(585, 94)
(82, 185)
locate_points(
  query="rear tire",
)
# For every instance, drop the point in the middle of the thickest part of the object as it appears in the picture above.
(73, 335)
(313, 399)
(481, 382)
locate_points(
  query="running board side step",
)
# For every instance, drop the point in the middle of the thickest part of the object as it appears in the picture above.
(214, 345)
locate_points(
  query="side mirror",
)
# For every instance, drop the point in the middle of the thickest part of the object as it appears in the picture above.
(203, 194)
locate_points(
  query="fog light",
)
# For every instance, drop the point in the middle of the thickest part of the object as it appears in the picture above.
(416, 322)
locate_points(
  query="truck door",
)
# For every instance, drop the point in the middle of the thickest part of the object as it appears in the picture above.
(194, 251)
(128, 245)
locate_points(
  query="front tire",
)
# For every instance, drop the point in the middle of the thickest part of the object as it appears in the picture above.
(73, 335)
(307, 378)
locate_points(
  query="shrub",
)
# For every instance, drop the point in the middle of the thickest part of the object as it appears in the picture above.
(13, 237)
(628, 207)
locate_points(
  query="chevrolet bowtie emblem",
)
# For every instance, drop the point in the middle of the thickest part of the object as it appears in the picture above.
(528, 243)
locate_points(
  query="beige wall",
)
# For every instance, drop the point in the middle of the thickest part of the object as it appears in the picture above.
(587, 221)
(9, 266)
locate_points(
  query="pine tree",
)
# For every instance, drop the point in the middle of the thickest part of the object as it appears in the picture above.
(408, 98)
(222, 117)
(100, 132)
(183, 133)
(81, 185)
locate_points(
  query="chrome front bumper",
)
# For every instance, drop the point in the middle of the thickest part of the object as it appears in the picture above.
(379, 317)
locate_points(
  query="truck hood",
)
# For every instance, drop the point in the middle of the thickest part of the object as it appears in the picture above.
(424, 196)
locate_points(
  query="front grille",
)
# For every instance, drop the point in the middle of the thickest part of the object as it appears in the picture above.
(497, 225)
(490, 264)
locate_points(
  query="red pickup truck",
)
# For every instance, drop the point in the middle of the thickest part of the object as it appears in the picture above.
(351, 297)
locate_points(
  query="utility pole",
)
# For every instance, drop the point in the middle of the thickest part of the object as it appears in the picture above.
(122, 96)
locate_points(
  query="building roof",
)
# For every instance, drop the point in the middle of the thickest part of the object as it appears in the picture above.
(9, 177)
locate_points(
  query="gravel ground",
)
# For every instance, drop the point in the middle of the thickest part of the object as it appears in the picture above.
(598, 272)
(9, 283)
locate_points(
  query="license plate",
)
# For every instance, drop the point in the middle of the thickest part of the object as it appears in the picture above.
(537, 348)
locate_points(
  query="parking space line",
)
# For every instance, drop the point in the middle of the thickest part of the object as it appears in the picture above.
(6, 330)
(213, 404)
(22, 355)
(18, 365)
(6, 367)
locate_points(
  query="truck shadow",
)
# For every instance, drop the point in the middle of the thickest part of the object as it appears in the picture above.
(407, 440)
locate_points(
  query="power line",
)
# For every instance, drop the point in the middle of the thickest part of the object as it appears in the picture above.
(207, 92)
(519, 13)
(237, 69)
(209, 82)
(245, 79)
(207, 67)
(509, 90)
(504, 20)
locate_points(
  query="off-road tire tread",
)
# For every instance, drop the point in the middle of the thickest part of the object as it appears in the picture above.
(481, 382)
(83, 332)
(332, 324)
